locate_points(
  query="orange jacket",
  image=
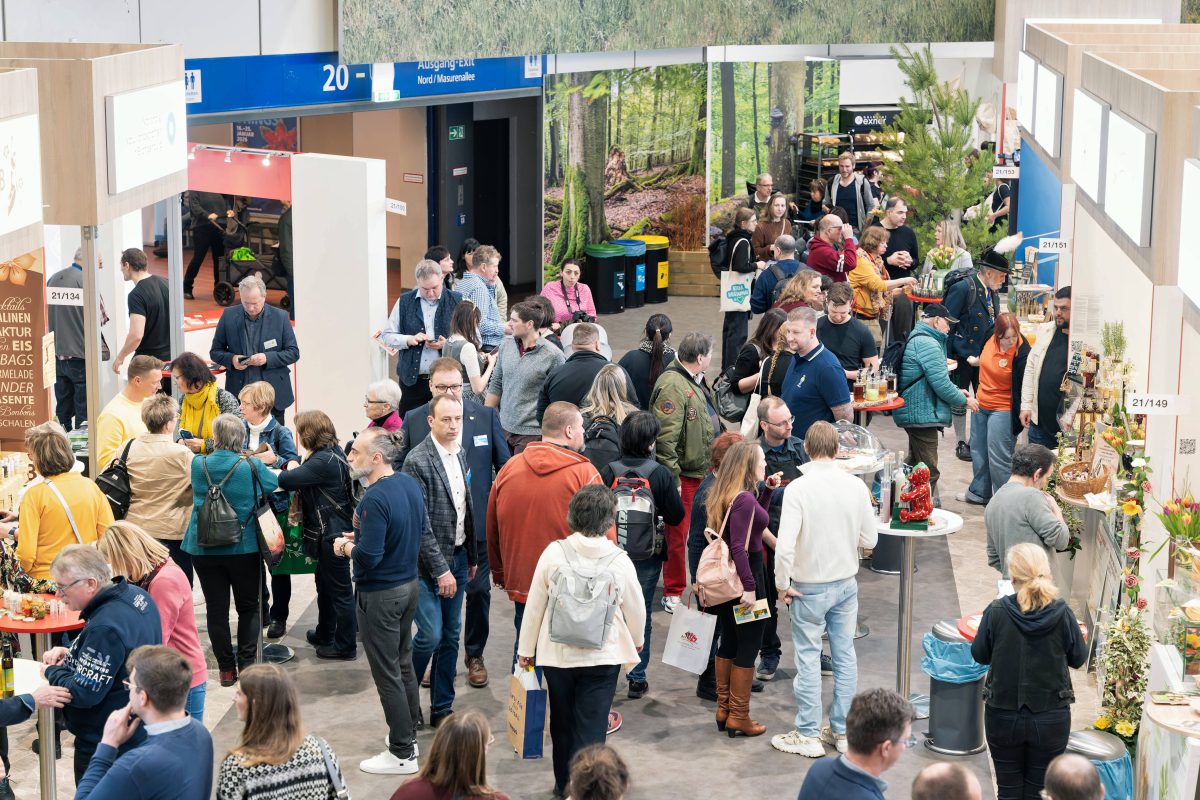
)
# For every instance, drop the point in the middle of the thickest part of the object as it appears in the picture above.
(527, 510)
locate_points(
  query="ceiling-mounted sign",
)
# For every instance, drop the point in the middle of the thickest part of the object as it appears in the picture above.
(147, 135)
(20, 173)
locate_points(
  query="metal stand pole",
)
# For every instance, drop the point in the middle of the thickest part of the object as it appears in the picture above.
(904, 626)
(47, 754)
(273, 653)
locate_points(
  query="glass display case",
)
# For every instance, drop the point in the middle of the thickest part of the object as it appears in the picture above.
(1177, 616)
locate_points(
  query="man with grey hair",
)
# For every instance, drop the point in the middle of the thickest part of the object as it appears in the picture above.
(1070, 776)
(64, 313)
(255, 342)
(760, 198)
(684, 404)
(769, 284)
(833, 252)
(814, 387)
(418, 327)
(571, 381)
(388, 525)
(119, 617)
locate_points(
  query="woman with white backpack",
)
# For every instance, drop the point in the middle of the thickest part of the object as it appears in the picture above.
(733, 576)
(583, 621)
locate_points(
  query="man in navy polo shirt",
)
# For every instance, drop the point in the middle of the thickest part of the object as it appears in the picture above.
(815, 385)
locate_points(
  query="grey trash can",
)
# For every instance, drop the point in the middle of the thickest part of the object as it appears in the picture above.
(955, 709)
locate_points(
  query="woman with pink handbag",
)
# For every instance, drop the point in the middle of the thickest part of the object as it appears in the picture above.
(733, 500)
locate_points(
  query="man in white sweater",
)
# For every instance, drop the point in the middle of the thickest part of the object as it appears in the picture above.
(827, 515)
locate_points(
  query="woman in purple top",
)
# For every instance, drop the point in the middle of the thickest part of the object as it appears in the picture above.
(732, 499)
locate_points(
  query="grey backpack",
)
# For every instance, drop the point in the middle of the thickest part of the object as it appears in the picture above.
(217, 522)
(583, 599)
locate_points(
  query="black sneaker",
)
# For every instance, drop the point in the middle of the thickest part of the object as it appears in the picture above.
(962, 451)
(314, 640)
(826, 665)
(37, 747)
(757, 686)
(275, 630)
(187, 295)
(766, 668)
(331, 653)
(638, 689)
(707, 691)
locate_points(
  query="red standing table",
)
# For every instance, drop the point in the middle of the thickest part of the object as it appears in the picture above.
(862, 409)
(968, 626)
(39, 631)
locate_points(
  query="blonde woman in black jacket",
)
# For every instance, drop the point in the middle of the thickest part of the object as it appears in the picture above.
(1028, 639)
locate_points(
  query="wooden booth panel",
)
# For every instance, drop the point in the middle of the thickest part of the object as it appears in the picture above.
(18, 98)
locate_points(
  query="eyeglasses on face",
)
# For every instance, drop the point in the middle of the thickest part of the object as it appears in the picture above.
(908, 743)
(446, 388)
(63, 587)
(783, 424)
(367, 401)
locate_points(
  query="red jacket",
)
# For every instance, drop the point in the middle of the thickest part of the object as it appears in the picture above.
(527, 510)
(828, 261)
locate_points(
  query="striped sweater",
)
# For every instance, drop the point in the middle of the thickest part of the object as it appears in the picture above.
(301, 777)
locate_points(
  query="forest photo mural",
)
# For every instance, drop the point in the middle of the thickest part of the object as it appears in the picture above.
(624, 155)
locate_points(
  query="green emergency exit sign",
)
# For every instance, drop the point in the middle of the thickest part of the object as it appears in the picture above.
(458, 132)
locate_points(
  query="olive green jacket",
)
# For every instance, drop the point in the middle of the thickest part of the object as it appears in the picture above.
(681, 406)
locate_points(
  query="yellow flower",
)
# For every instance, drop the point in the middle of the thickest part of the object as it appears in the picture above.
(1131, 508)
(1193, 640)
(1102, 723)
(1124, 728)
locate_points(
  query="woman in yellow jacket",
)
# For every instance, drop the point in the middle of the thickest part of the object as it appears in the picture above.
(61, 508)
(873, 289)
(203, 402)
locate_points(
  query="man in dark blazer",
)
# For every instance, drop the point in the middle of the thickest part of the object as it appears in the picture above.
(486, 452)
(449, 553)
(418, 327)
(255, 342)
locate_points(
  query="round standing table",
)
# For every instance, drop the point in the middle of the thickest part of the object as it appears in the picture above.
(941, 523)
(968, 626)
(862, 409)
(39, 631)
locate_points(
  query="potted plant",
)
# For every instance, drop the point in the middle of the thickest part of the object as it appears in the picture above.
(1123, 663)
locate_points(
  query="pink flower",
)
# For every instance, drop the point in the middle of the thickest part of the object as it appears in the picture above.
(1132, 581)
(1142, 603)
(1133, 554)
(1146, 487)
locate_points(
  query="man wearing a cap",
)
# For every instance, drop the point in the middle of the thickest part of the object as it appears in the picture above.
(975, 302)
(929, 394)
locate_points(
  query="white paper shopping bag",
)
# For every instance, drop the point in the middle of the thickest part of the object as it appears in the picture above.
(690, 639)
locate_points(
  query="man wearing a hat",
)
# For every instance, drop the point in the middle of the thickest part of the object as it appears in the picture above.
(975, 301)
(929, 394)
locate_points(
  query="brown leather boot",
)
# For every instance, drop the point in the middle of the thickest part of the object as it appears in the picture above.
(724, 666)
(738, 721)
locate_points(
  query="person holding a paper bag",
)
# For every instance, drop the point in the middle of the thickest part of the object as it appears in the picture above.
(744, 523)
(581, 682)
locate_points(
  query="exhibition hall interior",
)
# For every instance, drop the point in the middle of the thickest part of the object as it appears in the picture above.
(599, 400)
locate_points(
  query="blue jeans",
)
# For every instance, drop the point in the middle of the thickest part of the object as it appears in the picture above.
(648, 572)
(439, 622)
(821, 607)
(991, 452)
(195, 702)
(1039, 435)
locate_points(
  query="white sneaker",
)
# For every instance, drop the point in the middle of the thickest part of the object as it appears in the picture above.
(669, 604)
(838, 740)
(387, 742)
(387, 764)
(797, 743)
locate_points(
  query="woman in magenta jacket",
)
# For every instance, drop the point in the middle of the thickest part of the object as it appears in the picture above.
(568, 294)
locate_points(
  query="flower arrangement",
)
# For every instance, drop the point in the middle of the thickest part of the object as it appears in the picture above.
(1071, 516)
(1123, 661)
(1181, 518)
(1132, 498)
(942, 257)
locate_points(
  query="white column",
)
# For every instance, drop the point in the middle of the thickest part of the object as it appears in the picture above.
(115, 236)
(340, 263)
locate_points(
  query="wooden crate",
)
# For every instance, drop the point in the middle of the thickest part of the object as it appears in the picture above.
(690, 274)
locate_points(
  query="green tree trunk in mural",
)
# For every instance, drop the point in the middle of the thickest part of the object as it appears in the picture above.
(728, 132)
(787, 88)
(582, 222)
(754, 117)
(696, 164)
(553, 167)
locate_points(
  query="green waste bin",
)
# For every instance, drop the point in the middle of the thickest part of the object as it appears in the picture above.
(657, 278)
(604, 272)
(635, 271)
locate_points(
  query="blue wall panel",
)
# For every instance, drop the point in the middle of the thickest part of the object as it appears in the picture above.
(1039, 209)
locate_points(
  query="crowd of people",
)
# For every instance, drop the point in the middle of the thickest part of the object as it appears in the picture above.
(511, 453)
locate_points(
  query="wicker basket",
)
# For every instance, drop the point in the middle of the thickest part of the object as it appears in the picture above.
(1078, 488)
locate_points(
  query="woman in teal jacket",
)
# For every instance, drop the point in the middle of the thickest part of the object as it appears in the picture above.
(929, 394)
(236, 567)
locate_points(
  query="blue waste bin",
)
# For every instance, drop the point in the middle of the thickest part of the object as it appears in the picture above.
(1111, 759)
(635, 272)
(955, 692)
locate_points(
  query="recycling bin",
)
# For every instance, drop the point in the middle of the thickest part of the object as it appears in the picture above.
(635, 271)
(955, 692)
(604, 272)
(1110, 758)
(657, 250)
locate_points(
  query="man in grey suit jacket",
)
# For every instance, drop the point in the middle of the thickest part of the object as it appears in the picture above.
(448, 550)
(486, 453)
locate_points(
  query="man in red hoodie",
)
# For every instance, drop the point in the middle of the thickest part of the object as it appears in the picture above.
(823, 253)
(527, 509)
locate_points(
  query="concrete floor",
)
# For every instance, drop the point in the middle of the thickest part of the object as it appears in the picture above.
(668, 736)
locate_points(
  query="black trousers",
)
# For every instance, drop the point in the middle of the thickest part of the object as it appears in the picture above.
(735, 330)
(70, 392)
(479, 607)
(204, 239)
(1022, 744)
(336, 620)
(182, 559)
(416, 395)
(742, 642)
(771, 646)
(241, 574)
(580, 698)
(279, 599)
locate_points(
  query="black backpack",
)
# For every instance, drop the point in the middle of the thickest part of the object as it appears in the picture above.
(114, 484)
(639, 531)
(718, 254)
(601, 441)
(893, 359)
(217, 522)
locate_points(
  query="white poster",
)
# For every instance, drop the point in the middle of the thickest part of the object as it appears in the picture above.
(20, 173)
(147, 135)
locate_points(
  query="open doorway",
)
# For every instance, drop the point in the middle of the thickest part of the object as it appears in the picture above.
(492, 179)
